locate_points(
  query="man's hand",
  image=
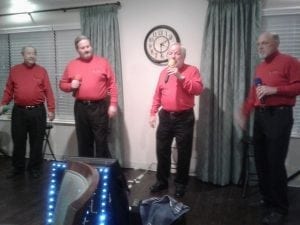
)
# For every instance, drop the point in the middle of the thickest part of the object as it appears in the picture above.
(264, 90)
(152, 121)
(240, 120)
(51, 116)
(174, 71)
(112, 111)
(75, 84)
(1, 109)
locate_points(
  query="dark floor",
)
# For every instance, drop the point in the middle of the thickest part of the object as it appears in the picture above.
(23, 200)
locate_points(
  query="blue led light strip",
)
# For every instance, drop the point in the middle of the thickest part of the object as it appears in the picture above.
(98, 211)
(104, 195)
(57, 171)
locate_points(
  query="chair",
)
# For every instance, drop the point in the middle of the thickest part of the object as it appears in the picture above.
(248, 174)
(49, 126)
(78, 185)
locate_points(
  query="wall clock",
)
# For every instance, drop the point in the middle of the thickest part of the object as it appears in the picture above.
(158, 41)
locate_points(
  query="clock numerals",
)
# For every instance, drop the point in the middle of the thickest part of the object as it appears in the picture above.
(170, 37)
(158, 41)
(151, 39)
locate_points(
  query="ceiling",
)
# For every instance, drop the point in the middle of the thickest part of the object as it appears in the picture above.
(17, 6)
(36, 19)
(28, 19)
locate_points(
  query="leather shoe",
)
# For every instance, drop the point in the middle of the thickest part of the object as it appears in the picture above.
(158, 187)
(273, 218)
(14, 173)
(179, 191)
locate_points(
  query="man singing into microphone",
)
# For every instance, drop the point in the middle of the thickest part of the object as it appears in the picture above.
(272, 96)
(177, 86)
(91, 80)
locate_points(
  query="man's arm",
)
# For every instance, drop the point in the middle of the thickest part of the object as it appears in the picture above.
(49, 97)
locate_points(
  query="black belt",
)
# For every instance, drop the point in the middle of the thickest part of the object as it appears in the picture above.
(272, 108)
(90, 102)
(177, 113)
(29, 106)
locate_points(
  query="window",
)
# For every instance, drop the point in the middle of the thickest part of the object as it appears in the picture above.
(54, 50)
(4, 61)
(287, 26)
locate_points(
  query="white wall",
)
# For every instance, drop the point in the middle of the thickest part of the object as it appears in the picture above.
(136, 18)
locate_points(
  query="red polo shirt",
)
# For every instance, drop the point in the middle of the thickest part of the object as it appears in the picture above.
(177, 95)
(28, 86)
(97, 79)
(277, 70)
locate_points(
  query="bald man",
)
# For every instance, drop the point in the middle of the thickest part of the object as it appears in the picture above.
(173, 102)
(272, 97)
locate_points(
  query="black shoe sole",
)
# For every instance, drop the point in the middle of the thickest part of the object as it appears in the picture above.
(155, 189)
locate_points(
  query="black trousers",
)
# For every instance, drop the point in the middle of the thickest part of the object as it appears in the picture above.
(28, 122)
(272, 129)
(181, 127)
(91, 122)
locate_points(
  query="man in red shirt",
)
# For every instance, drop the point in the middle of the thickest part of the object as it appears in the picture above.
(273, 95)
(176, 89)
(28, 86)
(91, 80)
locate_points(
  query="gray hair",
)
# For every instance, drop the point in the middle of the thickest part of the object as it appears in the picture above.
(28, 46)
(276, 38)
(182, 48)
(80, 38)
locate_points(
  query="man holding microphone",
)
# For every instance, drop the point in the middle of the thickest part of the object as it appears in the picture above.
(173, 100)
(272, 96)
(92, 82)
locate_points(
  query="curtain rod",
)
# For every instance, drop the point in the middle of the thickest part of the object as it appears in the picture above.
(59, 9)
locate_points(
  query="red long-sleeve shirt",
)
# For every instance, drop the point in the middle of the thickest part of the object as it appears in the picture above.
(177, 95)
(280, 71)
(97, 79)
(28, 86)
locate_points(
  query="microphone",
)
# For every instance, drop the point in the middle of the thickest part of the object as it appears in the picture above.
(258, 82)
(171, 64)
(77, 77)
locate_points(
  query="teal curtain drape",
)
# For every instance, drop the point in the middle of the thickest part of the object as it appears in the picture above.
(100, 23)
(227, 63)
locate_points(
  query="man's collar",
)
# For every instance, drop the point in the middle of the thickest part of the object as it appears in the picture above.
(269, 58)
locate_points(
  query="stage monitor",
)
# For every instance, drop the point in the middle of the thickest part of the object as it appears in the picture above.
(109, 204)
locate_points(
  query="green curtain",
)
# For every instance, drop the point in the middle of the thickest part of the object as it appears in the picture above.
(227, 64)
(100, 23)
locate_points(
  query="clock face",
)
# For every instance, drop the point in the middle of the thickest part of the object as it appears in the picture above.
(158, 41)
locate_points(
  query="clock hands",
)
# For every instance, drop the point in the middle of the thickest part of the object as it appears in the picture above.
(163, 43)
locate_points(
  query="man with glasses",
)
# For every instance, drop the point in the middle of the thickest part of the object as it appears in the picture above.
(272, 97)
